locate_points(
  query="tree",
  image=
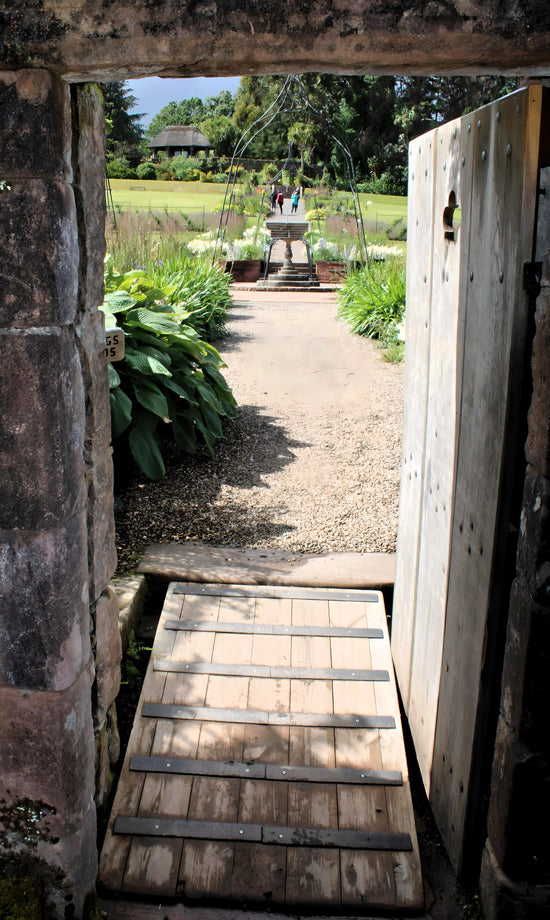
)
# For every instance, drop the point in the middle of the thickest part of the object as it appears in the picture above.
(216, 111)
(221, 132)
(187, 112)
(123, 133)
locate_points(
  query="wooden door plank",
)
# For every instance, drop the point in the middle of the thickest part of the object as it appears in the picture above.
(422, 176)
(310, 652)
(237, 609)
(358, 748)
(164, 797)
(312, 874)
(392, 747)
(275, 610)
(180, 739)
(214, 798)
(259, 873)
(367, 877)
(206, 869)
(206, 866)
(227, 692)
(196, 607)
(312, 805)
(221, 741)
(266, 744)
(310, 612)
(351, 696)
(189, 689)
(115, 849)
(347, 613)
(407, 873)
(350, 653)
(271, 650)
(192, 646)
(153, 866)
(311, 747)
(261, 802)
(164, 640)
(450, 260)
(230, 648)
(269, 695)
(311, 696)
(313, 877)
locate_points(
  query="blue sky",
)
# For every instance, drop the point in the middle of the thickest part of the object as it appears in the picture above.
(153, 93)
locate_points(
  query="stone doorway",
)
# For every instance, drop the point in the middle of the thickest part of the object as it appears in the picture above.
(56, 518)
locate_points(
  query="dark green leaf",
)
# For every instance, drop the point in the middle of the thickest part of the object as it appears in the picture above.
(150, 397)
(121, 411)
(146, 452)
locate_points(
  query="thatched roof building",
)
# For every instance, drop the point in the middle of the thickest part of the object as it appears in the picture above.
(178, 139)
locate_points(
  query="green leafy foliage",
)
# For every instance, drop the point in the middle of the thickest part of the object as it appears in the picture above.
(169, 383)
(372, 301)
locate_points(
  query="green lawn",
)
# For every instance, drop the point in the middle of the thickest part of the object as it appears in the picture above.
(383, 208)
(146, 195)
(156, 195)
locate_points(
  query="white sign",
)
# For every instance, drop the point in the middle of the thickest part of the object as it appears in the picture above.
(114, 342)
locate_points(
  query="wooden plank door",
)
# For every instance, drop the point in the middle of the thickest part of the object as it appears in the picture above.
(466, 325)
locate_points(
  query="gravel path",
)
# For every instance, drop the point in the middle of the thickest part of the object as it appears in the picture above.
(311, 463)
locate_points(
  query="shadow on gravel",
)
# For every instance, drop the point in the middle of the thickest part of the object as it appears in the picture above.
(233, 338)
(185, 504)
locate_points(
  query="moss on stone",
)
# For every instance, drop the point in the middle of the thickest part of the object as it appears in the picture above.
(21, 899)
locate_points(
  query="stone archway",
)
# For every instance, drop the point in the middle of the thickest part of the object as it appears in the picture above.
(59, 655)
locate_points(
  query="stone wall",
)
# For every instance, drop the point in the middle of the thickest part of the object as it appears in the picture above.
(515, 876)
(60, 648)
(124, 38)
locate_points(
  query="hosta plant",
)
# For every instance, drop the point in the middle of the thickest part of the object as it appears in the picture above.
(169, 380)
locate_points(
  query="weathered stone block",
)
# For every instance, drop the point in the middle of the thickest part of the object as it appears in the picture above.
(47, 757)
(501, 787)
(89, 131)
(95, 374)
(42, 432)
(518, 791)
(35, 125)
(504, 899)
(131, 591)
(108, 652)
(537, 447)
(39, 251)
(526, 672)
(101, 523)
(62, 871)
(534, 540)
(98, 454)
(128, 38)
(44, 608)
(107, 745)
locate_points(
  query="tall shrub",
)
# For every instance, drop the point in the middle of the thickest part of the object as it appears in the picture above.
(372, 300)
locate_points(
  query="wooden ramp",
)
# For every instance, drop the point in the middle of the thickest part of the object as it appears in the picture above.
(266, 761)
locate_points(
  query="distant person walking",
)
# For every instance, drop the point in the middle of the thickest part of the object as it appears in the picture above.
(280, 200)
(273, 197)
(294, 199)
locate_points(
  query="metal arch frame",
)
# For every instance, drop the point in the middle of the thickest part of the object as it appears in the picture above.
(278, 107)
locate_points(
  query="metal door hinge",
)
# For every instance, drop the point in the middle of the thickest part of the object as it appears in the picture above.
(532, 277)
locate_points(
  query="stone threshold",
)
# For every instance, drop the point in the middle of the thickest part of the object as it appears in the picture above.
(200, 562)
